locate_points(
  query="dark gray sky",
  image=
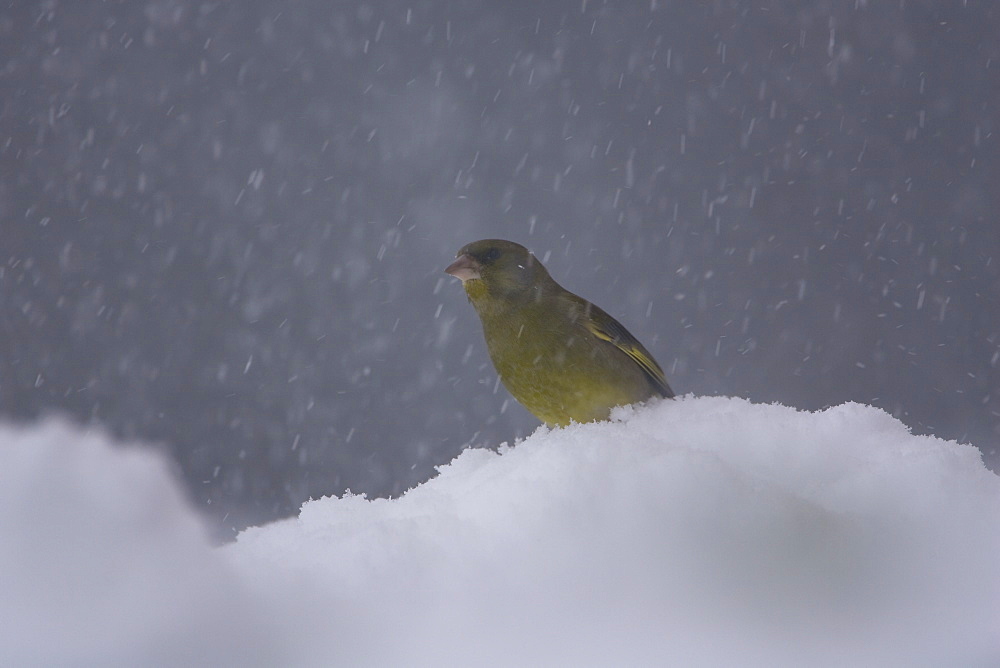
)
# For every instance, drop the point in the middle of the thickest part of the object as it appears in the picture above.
(223, 224)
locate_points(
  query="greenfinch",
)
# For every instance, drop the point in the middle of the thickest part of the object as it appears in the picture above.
(561, 357)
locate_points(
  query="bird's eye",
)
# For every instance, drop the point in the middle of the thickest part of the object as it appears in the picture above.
(491, 254)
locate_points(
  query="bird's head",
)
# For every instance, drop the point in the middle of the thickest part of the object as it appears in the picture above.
(498, 269)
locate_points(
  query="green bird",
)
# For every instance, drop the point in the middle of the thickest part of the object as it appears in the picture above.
(562, 357)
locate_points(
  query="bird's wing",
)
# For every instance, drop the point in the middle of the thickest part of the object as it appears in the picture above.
(606, 328)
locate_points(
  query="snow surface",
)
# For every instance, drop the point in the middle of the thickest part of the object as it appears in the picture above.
(104, 563)
(697, 532)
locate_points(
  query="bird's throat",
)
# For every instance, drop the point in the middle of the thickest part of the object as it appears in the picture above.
(475, 289)
(487, 306)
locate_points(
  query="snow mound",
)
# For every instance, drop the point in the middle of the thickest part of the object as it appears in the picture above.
(707, 531)
(694, 532)
(105, 564)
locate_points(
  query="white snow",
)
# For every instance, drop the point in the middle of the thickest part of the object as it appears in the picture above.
(103, 563)
(696, 532)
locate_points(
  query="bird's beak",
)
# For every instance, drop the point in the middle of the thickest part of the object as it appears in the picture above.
(465, 268)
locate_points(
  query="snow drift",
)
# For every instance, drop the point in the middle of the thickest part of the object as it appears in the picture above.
(707, 531)
(103, 563)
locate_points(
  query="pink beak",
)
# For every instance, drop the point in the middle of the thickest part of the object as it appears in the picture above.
(465, 268)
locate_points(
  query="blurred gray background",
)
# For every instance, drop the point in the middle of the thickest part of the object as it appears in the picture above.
(223, 224)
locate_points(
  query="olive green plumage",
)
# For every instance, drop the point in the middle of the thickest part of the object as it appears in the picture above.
(562, 357)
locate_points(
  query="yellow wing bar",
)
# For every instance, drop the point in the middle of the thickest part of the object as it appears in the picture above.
(606, 328)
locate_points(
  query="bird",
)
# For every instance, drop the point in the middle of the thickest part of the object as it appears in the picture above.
(563, 358)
